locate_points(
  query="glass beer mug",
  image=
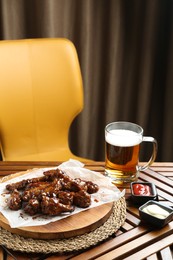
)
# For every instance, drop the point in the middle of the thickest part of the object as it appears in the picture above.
(122, 147)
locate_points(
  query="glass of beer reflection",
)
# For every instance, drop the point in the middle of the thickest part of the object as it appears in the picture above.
(122, 147)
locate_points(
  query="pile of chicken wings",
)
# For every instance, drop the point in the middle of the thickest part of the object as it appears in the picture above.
(51, 194)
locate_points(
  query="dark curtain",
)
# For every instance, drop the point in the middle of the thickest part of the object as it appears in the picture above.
(125, 49)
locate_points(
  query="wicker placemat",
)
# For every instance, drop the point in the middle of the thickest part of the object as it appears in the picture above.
(29, 245)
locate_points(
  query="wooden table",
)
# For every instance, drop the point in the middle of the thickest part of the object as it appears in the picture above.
(134, 240)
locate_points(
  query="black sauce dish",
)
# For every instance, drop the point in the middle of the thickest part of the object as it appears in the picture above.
(150, 194)
(155, 220)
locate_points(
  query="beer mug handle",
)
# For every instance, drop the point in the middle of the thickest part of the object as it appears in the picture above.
(154, 152)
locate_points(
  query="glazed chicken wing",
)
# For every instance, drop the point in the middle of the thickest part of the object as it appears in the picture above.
(32, 207)
(22, 184)
(15, 201)
(53, 207)
(82, 199)
(88, 186)
(65, 197)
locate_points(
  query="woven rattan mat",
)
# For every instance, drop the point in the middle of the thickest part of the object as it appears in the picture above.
(29, 245)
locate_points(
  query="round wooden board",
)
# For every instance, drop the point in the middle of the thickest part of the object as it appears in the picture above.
(74, 225)
(71, 226)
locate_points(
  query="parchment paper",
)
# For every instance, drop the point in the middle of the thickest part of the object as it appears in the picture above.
(107, 193)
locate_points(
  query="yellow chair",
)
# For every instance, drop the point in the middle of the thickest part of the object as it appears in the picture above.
(41, 92)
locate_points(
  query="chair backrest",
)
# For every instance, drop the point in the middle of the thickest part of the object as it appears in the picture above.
(41, 92)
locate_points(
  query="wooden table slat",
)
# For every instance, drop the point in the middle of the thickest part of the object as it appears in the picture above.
(162, 164)
(152, 257)
(132, 219)
(166, 174)
(166, 253)
(165, 195)
(162, 168)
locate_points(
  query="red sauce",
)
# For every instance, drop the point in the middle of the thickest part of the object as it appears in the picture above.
(142, 189)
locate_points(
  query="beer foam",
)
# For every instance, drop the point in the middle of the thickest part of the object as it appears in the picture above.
(123, 138)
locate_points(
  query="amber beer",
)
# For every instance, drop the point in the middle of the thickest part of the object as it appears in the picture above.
(122, 147)
(122, 154)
